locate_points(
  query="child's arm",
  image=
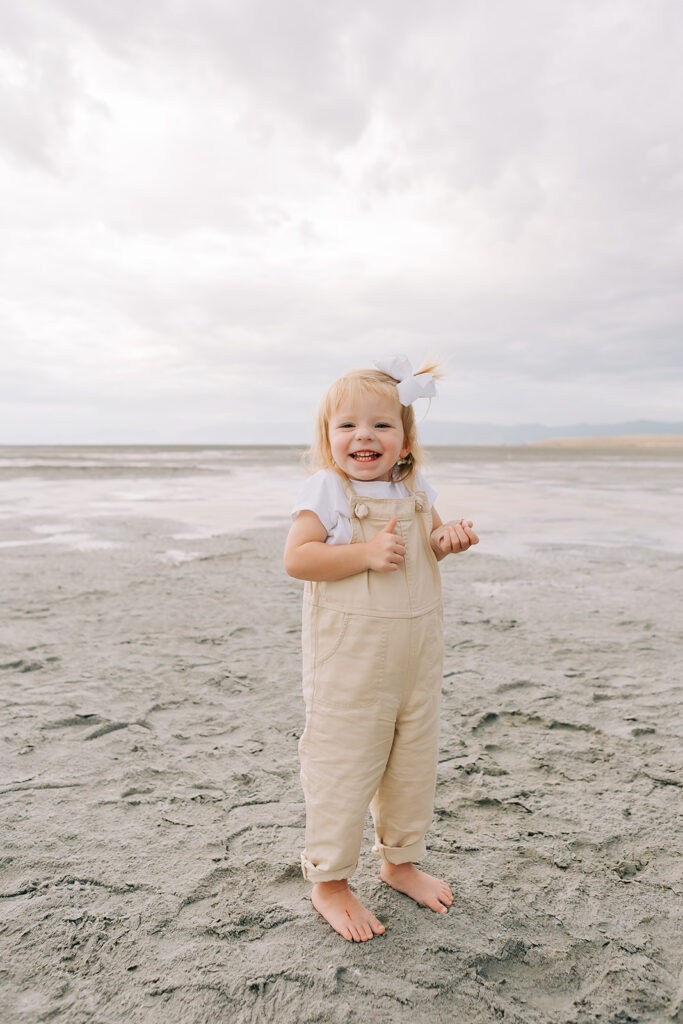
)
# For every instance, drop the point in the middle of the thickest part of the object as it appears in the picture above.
(308, 557)
(451, 537)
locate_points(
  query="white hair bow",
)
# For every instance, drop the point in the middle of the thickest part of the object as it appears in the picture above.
(410, 385)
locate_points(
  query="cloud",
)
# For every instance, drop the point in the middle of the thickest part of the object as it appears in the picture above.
(231, 203)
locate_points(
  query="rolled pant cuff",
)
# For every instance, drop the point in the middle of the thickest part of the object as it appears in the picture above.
(400, 854)
(314, 874)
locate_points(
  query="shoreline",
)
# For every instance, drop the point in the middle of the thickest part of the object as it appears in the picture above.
(637, 441)
(597, 440)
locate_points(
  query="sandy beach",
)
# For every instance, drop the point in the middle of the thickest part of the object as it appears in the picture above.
(150, 799)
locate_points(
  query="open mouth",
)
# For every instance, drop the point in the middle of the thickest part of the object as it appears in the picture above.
(365, 456)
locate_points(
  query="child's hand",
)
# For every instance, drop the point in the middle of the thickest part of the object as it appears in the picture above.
(386, 550)
(452, 537)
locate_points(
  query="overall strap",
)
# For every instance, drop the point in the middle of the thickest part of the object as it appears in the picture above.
(409, 482)
(348, 489)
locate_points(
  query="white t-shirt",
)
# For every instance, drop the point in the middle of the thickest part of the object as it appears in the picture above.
(323, 493)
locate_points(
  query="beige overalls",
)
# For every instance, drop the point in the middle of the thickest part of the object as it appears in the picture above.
(372, 675)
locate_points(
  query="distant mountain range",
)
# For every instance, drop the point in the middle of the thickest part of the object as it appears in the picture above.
(435, 432)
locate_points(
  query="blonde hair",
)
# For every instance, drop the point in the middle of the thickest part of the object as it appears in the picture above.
(351, 385)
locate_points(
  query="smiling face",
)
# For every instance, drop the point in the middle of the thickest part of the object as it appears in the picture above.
(366, 436)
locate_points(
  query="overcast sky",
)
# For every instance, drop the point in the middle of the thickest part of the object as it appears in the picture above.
(211, 209)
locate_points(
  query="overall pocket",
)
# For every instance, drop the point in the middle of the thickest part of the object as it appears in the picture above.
(349, 672)
(322, 630)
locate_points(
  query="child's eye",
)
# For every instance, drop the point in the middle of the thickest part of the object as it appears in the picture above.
(345, 425)
(378, 425)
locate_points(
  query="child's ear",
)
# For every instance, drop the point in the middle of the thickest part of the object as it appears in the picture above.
(405, 450)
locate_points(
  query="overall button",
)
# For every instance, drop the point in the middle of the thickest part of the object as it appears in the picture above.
(361, 511)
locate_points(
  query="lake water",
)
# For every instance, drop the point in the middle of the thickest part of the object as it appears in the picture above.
(520, 498)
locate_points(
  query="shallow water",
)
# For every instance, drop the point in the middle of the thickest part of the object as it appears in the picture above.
(520, 498)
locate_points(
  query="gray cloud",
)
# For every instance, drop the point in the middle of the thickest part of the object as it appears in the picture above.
(230, 203)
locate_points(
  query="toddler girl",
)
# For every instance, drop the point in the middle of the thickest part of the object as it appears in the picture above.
(366, 537)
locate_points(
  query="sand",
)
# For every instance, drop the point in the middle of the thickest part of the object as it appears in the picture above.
(153, 818)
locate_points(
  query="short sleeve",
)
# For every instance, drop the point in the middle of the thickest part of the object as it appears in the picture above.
(322, 493)
(421, 484)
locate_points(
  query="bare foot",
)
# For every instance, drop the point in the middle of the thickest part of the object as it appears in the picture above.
(423, 888)
(346, 914)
